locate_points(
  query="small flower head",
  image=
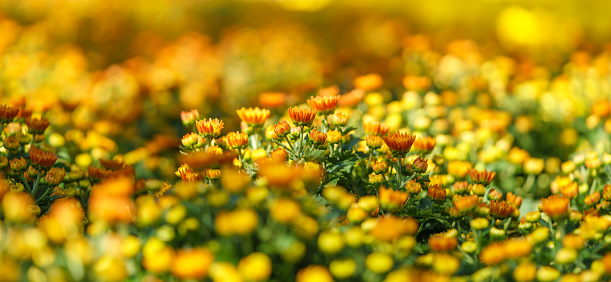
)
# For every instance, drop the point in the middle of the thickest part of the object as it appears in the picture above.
(461, 187)
(592, 199)
(392, 200)
(18, 164)
(334, 137)
(465, 204)
(375, 128)
(555, 206)
(368, 82)
(8, 113)
(501, 209)
(420, 165)
(441, 243)
(282, 128)
(210, 128)
(279, 154)
(340, 119)
(319, 138)
(237, 140)
(272, 99)
(399, 143)
(253, 116)
(437, 193)
(324, 105)
(413, 187)
(424, 144)
(190, 140)
(302, 116)
(41, 158)
(55, 176)
(374, 142)
(379, 167)
(482, 177)
(37, 126)
(189, 117)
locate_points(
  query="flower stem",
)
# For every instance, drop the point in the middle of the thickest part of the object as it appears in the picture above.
(36, 184)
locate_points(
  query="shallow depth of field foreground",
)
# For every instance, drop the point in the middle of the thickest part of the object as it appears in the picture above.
(305, 140)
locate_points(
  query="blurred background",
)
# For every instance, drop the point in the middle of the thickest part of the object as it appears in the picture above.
(125, 69)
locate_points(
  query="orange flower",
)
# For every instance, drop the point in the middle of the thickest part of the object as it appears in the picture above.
(441, 243)
(592, 199)
(420, 165)
(437, 193)
(379, 167)
(493, 254)
(41, 158)
(374, 141)
(461, 187)
(210, 128)
(324, 105)
(192, 263)
(329, 91)
(514, 200)
(37, 126)
(465, 204)
(375, 128)
(351, 98)
(189, 117)
(279, 154)
(481, 177)
(555, 206)
(318, 137)
(8, 113)
(425, 144)
(254, 116)
(302, 116)
(272, 99)
(501, 209)
(237, 140)
(459, 169)
(282, 128)
(399, 142)
(368, 82)
(392, 200)
(412, 186)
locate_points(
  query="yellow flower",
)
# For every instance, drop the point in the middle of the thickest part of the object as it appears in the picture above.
(253, 116)
(379, 262)
(445, 264)
(224, 272)
(330, 242)
(255, 267)
(525, 272)
(314, 273)
(284, 210)
(342, 268)
(109, 268)
(192, 263)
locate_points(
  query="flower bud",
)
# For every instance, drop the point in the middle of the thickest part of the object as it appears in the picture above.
(282, 129)
(480, 223)
(420, 165)
(566, 256)
(497, 234)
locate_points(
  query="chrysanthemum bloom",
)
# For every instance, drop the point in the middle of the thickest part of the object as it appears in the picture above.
(237, 140)
(213, 173)
(11, 143)
(37, 126)
(302, 116)
(314, 273)
(279, 154)
(375, 128)
(340, 119)
(514, 200)
(192, 263)
(413, 187)
(437, 193)
(461, 187)
(96, 173)
(334, 137)
(607, 192)
(555, 206)
(272, 99)
(255, 267)
(282, 128)
(441, 243)
(190, 140)
(18, 164)
(592, 199)
(8, 113)
(189, 117)
(41, 158)
(493, 254)
(374, 141)
(482, 177)
(376, 178)
(465, 204)
(525, 272)
(573, 241)
(210, 128)
(517, 248)
(494, 195)
(55, 176)
(379, 167)
(501, 209)
(420, 165)
(284, 210)
(425, 144)
(399, 143)
(324, 105)
(392, 200)
(319, 138)
(368, 82)
(253, 116)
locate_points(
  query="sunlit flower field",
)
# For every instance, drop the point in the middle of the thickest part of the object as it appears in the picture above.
(305, 140)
